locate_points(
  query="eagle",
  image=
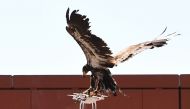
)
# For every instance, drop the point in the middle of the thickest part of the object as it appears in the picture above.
(99, 56)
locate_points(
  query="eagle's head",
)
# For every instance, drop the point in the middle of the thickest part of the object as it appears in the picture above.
(86, 68)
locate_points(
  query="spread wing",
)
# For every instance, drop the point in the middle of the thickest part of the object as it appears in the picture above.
(133, 50)
(95, 49)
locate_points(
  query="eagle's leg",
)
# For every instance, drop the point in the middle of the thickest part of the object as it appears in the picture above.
(95, 86)
(92, 85)
(99, 86)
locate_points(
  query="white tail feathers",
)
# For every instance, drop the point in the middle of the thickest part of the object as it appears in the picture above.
(132, 50)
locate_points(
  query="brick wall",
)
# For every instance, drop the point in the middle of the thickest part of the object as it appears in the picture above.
(50, 92)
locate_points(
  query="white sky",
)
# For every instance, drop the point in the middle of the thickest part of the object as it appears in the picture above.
(33, 39)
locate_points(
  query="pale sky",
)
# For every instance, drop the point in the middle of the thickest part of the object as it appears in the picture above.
(33, 39)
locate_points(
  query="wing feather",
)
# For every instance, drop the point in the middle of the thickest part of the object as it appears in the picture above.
(97, 53)
(133, 50)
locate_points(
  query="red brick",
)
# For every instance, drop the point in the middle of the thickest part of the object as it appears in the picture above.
(147, 81)
(15, 99)
(5, 81)
(132, 100)
(77, 81)
(185, 99)
(53, 99)
(185, 81)
(160, 99)
(51, 81)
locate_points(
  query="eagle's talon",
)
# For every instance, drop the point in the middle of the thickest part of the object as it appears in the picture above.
(88, 91)
(93, 93)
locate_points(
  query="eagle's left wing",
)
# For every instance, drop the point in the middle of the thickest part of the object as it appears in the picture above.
(133, 50)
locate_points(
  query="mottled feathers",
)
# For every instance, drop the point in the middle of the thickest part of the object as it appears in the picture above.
(97, 53)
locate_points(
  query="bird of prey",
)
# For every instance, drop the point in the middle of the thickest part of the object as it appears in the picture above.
(99, 56)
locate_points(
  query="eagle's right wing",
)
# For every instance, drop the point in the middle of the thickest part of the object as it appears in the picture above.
(132, 50)
(97, 53)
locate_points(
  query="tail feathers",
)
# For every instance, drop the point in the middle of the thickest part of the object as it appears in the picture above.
(110, 83)
(102, 81)
(132, 50)
(107, 83)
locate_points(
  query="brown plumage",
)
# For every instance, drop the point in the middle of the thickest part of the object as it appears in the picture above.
(99, 56)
